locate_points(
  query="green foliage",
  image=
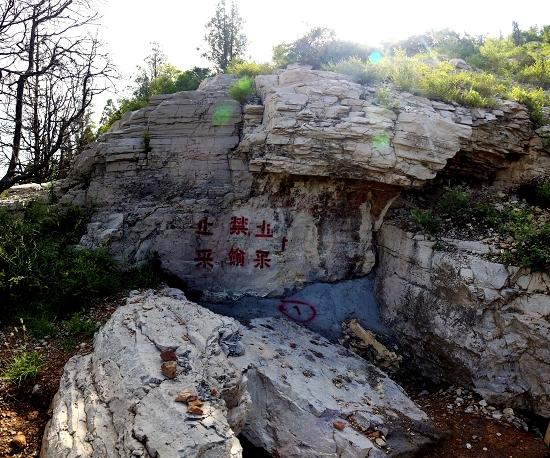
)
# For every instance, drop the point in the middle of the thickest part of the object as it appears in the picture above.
(534, 99)
(79, 324)
(542, 194)
(146, 141)
(40, 326)
(224, 36)
(532, 241)
(42, 272)
(68, 344)
(22, 366)
(383, 97)
(453, 202)
(249, 68)
(318, 48)
(241, 89)
(362, 72)
(426, 221)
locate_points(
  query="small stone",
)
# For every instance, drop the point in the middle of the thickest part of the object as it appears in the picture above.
(380, 442)
(185, 396)
(508, 412)
(468, 446)
(485, 449)
(19, 441)
(292, 345)
(168, 355)
(483, 403)
(194, 410)
(499, 434)
(339, 425)
(195, 402)
(168, 369)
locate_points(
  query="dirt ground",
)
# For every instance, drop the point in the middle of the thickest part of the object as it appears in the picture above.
(24, 409)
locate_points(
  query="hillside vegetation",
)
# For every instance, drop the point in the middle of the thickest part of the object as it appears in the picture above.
(514, 67)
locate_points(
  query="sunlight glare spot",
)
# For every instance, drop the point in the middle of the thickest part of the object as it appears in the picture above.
(222, 114)
(375, 57)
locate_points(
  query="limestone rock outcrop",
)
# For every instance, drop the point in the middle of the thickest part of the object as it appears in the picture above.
(465, 319)
(263, 199)
(285, 388)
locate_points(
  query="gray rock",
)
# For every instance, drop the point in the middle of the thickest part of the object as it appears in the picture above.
(466, 319)
(285, 398)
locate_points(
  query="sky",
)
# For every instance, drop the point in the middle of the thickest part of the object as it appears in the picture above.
(129, 26)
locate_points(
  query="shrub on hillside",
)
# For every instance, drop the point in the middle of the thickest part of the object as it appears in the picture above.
(43, 272)
(244, 68)
(241, 89)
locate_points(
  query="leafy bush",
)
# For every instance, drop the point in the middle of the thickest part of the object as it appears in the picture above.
(40, 326)
(79, 324)
(240, 90)
(43, 273)
(534, 99)
(426, 221)
(453, 202)
(22, 366)
(319, 47)
(244, 68)
(362, 72)
(383, 97)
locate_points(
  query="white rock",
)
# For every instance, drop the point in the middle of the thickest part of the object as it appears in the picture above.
(116, 402)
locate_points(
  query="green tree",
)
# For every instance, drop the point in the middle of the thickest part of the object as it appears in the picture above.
(318, 47)
(224, 37)
(516, 33)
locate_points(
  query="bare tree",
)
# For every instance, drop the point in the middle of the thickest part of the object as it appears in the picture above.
(51, 67)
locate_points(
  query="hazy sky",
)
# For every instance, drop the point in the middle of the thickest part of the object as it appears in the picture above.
(178, 25)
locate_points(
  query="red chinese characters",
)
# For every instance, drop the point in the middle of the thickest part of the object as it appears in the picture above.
(236, 257)
(238, 225)
(262, 259)
(202, 227)
(204, 259)
(264, 230)
(284, 243)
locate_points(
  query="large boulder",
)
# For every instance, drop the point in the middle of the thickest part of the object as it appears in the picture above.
(262, 199)
(284, 387)
(465, 319)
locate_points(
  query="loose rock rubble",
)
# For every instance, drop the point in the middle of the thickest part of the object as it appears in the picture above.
(267, 380)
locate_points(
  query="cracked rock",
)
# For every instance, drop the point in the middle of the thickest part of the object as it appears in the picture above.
(115, 402)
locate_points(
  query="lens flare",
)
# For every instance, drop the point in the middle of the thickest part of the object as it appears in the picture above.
(380, 141)
(375, 57)
(222, 114)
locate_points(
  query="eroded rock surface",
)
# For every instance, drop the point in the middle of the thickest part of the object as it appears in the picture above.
(115, 402)
(262, 199)
(466, 319)
(283, 386)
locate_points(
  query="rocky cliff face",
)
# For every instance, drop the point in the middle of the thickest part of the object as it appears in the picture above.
(262, 199)
(464, 319)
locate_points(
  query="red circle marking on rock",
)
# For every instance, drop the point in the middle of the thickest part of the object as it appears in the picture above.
(297, 310)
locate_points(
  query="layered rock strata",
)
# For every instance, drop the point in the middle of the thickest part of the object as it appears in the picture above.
(465, 319)
(263, 199)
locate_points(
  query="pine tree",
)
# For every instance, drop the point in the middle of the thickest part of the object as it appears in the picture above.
(224, 36)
